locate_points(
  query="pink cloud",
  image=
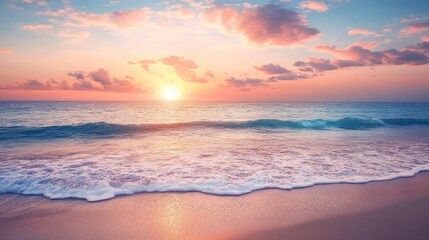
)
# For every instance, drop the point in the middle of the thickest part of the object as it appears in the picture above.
(359, 31)
(314, 5)
(415, 28)
(53, 13)
(368, 45)
(425, 38)
(186, 69)
(209, 74)
(118, 19)
(360, 56)
(146, 63)
(176, 61)
(37, 27)
(320, 64)
(101, 76)
(5, 51)
(38, 2)
(267, 24)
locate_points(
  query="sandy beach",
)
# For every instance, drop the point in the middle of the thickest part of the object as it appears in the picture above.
(396, 209)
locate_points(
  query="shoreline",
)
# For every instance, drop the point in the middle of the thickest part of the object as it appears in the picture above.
(194, 215)
(423, 171)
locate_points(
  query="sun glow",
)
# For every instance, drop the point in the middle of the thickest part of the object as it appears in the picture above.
(170, 94)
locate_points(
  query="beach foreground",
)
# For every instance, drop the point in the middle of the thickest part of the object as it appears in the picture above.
(396, 209)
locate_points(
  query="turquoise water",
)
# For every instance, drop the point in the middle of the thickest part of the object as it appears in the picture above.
(99, 150)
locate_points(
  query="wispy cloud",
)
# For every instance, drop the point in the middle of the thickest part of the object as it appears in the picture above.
(360, 31)
(314, 5)
(415, 28)
(38, 27)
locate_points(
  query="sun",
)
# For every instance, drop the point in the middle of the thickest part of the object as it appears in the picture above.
(170, 94)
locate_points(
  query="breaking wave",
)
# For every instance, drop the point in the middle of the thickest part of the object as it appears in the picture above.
(102, 129)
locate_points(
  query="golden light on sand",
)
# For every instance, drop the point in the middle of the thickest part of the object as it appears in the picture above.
(170, 93)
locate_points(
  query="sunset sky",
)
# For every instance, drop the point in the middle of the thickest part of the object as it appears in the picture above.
(215, 50)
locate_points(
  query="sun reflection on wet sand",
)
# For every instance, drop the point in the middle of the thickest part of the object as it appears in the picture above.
(172, 217)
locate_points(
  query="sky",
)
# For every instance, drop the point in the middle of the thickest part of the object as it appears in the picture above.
(214, 50)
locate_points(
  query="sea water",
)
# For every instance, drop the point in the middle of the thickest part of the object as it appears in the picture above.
(99, 150)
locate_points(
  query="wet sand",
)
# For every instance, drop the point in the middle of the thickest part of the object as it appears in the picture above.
(396, 209)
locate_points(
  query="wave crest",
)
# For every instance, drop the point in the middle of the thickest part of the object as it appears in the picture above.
(102, 129)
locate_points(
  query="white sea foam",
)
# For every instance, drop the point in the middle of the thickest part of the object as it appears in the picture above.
(230, 162)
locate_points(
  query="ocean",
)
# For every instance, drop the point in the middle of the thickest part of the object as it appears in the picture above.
(99, 150)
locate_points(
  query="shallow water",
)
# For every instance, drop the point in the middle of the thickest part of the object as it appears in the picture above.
(98, 150)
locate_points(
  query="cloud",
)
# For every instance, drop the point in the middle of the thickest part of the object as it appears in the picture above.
(98, 80)
(342, 63)
(33, 84)
(288, 77)
(406, 56)
(101, 76)
(118, 19)
(183, 68)
(79, 75)
(245, 84)
(176, 61)
(356, 55)
(268, 24)
(186, 69)
(5, 51)
(368, 45)
(38, 2)
(425, 38)
(359, 31)
(38, 27)
(415, 28)
(272, 69)
(209, 74)
(146, 63)
(314, 5)
(320, 64)
(248, 84)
